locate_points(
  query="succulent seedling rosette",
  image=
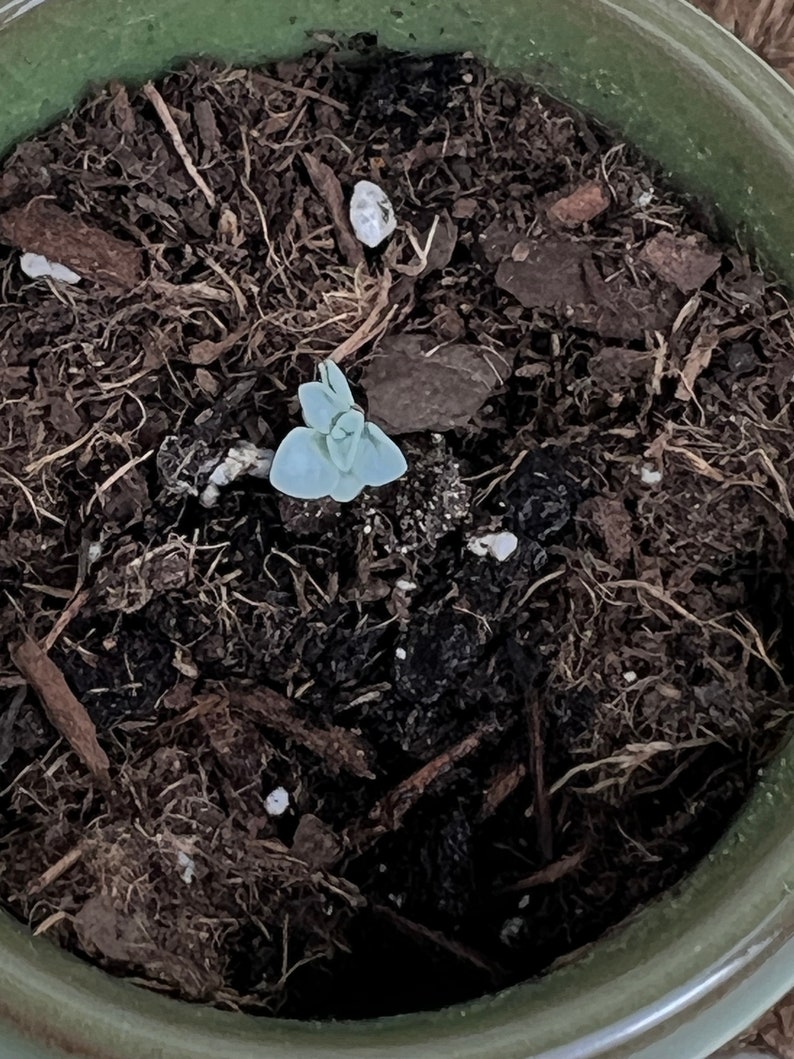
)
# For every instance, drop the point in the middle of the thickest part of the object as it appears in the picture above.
(338, 453)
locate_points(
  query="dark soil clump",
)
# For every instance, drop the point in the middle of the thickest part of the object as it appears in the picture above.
(488, 763)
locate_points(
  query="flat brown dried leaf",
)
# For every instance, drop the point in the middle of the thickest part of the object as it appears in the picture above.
(411, 385)
(550, 273)
(687, 261)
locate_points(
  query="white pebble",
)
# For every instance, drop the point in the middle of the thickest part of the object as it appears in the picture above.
(277, 802)
(645, 198)
(188, 866)
(630, 676)
(511, 928)
(401, 653)
(371, 213)
(94, 552)
(37, 265)
(498, 545)
(650, 476)
(405, 586)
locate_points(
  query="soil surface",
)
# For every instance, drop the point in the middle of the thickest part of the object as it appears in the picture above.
(488, 763)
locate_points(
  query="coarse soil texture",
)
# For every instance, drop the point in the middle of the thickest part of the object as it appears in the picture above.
(487, 763)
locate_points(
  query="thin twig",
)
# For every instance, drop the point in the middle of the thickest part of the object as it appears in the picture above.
(372, 326)
(170, 126)
(542, 806)
(56, 870)
(550, 874)
(117, 474)
(64, 618)
(440, 941)
(304, 93)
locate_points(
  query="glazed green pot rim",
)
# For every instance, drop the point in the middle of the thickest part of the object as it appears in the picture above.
(687, 973)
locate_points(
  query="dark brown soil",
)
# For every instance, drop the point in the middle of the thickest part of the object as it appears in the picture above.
(488, 764)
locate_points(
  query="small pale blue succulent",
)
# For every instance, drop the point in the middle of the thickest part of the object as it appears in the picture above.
(338, 453)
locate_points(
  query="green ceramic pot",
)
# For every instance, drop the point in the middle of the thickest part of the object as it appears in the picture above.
(697, 967)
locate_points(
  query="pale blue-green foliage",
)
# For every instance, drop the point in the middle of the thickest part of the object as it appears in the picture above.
(338, 453)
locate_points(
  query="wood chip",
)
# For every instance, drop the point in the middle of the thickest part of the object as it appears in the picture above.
(64, 711)
(550, 274)
(389, 812)
(687, 261)
(328, 187)
(316, 843)
(340, 749)
(42, 227)
(582, 205)
(435, 938)
(506, 781)
(611, 521)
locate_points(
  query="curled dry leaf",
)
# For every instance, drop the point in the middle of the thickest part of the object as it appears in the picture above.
(328, 187)
(696, 362)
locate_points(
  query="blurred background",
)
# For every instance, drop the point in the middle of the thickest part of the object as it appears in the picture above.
(765, 25)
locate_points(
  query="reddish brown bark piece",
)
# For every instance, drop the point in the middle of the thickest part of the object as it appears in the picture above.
(330, 190)
(550, 874)
(41, 227)
(340, 749)
(412, 384)
(610, 519)
(390, 811)
(686, 261)
(66, 713)
(582, 205)
(506, 781)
